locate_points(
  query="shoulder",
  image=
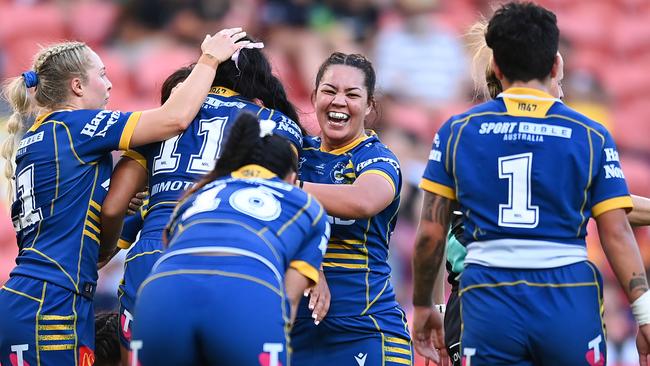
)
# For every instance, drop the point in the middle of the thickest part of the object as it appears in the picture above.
(561, 110)
(490, 107)
(311, 143)
(373, 151)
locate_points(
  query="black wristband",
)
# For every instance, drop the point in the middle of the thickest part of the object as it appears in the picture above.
(301, 184)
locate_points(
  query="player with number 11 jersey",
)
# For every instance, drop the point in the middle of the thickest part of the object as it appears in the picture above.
(173, 166)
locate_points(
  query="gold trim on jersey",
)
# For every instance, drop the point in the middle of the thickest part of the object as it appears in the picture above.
(527, 283)
(123, 244)
(437, 188)
(600, 208)
(223, 91)
(129, 128)
(20, 293)
(253, 171)
(296, 216)
(139, 158)
(56, 263)
(56, 164)
(38, 313)
(526, 102)
(305, 269)
(213, 272)
(350, 146)
(381, 174)
(127, 260)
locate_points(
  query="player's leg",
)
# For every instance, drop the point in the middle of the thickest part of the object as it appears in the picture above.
(494, 318)
(138, 263)
(452, 328)
(46, 324)
(378, 339)
(247, 322)
(20, 299)
(164, 326)
(569, 329)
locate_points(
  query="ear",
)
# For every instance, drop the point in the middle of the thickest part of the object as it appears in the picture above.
(497, 70)
(291, 178)
(76, 85)
(258, 102)
(556, 66)
(370, 107)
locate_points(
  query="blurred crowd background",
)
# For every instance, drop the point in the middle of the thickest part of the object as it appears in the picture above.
(422, 64)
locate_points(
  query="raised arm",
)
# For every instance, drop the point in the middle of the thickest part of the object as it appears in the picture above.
(177, 113)
(129, 178)
(640, 214)
(367, 196)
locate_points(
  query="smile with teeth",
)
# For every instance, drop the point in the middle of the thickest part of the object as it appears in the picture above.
(338, 117)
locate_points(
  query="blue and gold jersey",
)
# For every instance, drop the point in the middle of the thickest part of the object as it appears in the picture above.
(132, 226)
(255, 214)
(63, 166)
(526, 168)
(176, 164)
(356, 264)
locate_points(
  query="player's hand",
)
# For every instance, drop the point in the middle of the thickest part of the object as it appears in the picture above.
(136, 202)
(428, 335)
(643, 344)
(319, 298)
(224, 43)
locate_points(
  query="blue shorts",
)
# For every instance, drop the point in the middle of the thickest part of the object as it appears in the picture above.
(137, 265)
(377, 339)
(197, 310)
(44, 324)
(532, 316)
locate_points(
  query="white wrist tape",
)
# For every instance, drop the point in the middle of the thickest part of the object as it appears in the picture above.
(641, 308)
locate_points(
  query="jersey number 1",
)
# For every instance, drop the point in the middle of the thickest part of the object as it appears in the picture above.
(212, 132)
(29, 214)
(518, 212)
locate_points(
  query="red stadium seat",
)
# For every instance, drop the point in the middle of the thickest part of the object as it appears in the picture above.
(154, 66)
(92, 21)
(41, 21)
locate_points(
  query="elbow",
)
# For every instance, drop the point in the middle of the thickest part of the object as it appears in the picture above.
(112, 211)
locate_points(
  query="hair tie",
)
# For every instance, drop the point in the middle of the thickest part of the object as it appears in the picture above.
(235, 56)
(31, 78)
(266, 127)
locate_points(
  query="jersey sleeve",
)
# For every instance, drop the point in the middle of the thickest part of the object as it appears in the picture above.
(609, 189)
(140, 154)
(96, 132)
(131, 228)
(309, 256)
(377, 159)
(287, 128)
(437, 176)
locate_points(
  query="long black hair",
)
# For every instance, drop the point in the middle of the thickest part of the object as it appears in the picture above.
(253, 78)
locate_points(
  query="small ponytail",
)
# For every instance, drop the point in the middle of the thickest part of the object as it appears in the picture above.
(15, 92)
(486, 84)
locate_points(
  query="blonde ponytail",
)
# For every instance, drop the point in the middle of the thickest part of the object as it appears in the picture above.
(486, 84)
(15, 92)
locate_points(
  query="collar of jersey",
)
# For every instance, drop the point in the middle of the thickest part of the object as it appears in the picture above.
(223, 91)
(253, 171)
(39, 120)
(350, 146)
(527, 93)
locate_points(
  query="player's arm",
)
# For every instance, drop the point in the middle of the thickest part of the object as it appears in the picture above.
(640, 214)
(129, 178)
(295, 284)
(367, 196)
(428, 258)
(177, 113)
(621, 249)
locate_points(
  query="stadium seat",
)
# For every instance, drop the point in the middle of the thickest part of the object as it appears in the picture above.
(92, 21)
(41, 21)
(153, 67)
